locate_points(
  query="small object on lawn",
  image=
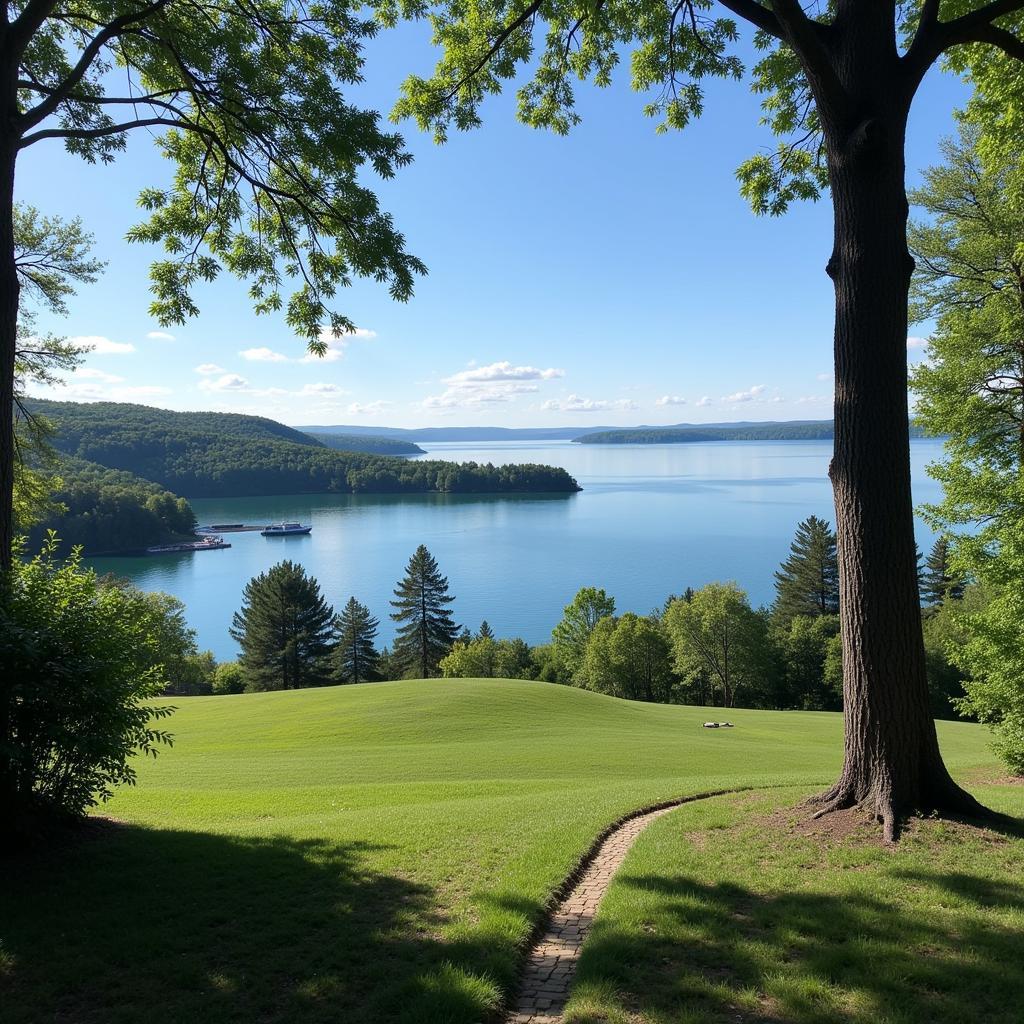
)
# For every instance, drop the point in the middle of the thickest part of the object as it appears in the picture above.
(710, 725)
(718, 725)
(726, 725)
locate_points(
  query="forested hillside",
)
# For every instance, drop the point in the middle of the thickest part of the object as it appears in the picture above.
(368, 443)
(111, 510)
(811, 431)
(203, 455)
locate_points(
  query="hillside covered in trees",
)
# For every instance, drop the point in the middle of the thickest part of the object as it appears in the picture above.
(101, 510)
(817, 430)
(369, 443)
(206, 455)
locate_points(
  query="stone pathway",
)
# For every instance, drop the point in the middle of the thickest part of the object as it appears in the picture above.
(551, 964)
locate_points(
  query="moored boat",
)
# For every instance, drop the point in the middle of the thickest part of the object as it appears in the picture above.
(210, 542)
(285, 530)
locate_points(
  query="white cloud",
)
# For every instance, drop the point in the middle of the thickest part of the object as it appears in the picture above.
(499, 373)
(100, 346)
(160, 336)
(91, 373)
(705, 401)
(576, 403)
(814, 400)
(263, 355)
(913, 343)
(368, 408)
(489, 385)
(209, 369)
(321, 388)
(229, 382)
(824, 376)
(745, 396)
(671, 400)
(336, 346)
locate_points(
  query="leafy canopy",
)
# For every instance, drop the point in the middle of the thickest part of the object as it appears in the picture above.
(675, 47)
(247, 102)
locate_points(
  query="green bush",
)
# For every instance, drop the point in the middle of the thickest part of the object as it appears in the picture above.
(229, 678)
(78, 667)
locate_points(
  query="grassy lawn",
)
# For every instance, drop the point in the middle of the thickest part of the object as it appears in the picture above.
(735, 910)
(379, 853)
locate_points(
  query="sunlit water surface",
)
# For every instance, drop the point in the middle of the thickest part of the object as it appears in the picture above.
(651, 520)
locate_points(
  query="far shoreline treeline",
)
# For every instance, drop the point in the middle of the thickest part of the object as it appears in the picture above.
(818, 430)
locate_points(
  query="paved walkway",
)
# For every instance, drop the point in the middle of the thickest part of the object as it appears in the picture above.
(551, 965)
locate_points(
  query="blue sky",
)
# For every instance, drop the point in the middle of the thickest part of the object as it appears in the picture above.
(613, 276)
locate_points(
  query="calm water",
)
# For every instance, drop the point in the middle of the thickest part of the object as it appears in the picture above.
(650, 521)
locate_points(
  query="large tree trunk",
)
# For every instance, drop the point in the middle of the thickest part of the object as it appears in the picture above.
(9, 796)
(9, 295)
(892, 762)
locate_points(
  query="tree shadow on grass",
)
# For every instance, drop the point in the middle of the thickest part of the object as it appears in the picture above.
(193, 928)
(725, 952)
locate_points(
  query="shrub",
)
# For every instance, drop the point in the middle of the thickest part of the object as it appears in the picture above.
(77, 671)
(228, 677)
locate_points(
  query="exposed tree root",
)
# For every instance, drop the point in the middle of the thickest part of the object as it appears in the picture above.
(944, 799)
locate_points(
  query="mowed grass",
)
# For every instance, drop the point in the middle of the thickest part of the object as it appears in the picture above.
(735, 910)
(366, 853)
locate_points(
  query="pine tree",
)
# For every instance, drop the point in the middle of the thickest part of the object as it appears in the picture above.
(807, 583)
(938, 584)
(355, 656)
(426, 631)
(485, 632)
(284, 630)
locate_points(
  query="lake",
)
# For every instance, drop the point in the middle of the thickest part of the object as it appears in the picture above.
(650, 521)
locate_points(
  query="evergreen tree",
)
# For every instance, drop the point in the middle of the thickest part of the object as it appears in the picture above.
(485, 632)
(426, 631)
(939, 582)
(355, 655)
(807, 583)
(284, 630)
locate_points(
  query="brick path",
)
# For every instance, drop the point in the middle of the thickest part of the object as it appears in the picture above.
(551, 964)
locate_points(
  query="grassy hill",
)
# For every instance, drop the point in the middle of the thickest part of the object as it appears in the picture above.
(206, 455)
(370, 853)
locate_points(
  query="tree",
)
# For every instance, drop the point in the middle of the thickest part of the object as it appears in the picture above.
(228, 678)
(426, 631)
(81, 670)
(475, 658)
(284, 630)
(355, 631)
(579, 617)
(939, 581)
(804, 645)
(246, 100)
(718, 637)
(485, 632)
(629, 657)
(51, 257)
(838, 82)
(807, 583)
(971, 390)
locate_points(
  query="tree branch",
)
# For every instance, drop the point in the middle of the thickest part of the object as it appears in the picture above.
(61, 92)
(503, 36)
(807, 38)
(758, 15)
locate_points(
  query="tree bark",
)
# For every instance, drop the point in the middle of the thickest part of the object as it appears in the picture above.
(9, 298)
(892, 764)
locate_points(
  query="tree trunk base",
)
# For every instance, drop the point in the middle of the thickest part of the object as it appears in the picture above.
(941, 798)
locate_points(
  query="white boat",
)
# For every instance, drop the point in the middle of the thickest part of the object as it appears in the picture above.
(285, 530)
